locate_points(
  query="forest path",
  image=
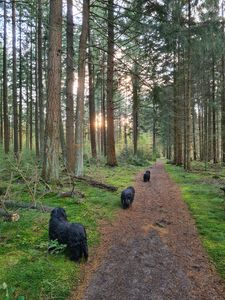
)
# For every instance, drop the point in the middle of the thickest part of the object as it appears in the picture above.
(151, 251)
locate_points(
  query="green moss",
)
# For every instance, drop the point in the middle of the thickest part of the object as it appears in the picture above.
(206, 204)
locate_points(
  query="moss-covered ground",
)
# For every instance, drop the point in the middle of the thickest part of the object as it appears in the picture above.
(201, 191)
(27, 270)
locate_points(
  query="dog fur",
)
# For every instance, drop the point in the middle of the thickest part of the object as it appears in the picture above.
(71, 234)
(146, 176)
(127, 197)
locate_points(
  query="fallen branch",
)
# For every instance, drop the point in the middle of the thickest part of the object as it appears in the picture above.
(98, 184)
(71, 194)
(16, 204)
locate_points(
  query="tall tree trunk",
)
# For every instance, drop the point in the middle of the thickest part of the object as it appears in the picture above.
(51, 166)
(62, 139)
(5, 85)
(15, 113)
(40, 81)
(31, 93)
(223, 108)
(194, 131)
(200, 128)
(79, 164)
(188, 110)
(111, 152)
(206, 136)
(103, 128)
(27, 105)
(37, 96)
(179, 110)
(214, 111)
(155, 101)
(203, 134)
(20, 85)
(175, 114)
(223, 92)
(1, 112)
(135, 106)
(70, 147)
(168, 149)
(92, 118)
(185, 114)
(209, 124)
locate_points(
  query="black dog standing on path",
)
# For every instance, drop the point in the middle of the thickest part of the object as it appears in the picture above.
(71, 234)
(146, 176)
(127, 197)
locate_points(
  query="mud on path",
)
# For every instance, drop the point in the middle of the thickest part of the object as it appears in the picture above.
(151, 251)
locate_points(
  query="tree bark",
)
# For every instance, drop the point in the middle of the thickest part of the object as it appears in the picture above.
(206, 136)
(92, 118)
(135, 107)
(1, 112)
(214, 111)
(194, 131)
(175, 115)
(79, 164)
(70, 147)
(15, 113)
(27, 106)
(155, 101)
(5, 85)
(200, 129)
(209, 122)
(188, 110)
(103, 128)
(62, 139)
(20, 86)
(40, 81)
(179, 158)
(31, 91)
(111, 152)
(223, 109)
(50, 170)
(37, 127)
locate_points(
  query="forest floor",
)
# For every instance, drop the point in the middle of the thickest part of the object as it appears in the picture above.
(151, 251)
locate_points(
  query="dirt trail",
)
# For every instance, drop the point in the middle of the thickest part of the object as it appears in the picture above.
(152, 251)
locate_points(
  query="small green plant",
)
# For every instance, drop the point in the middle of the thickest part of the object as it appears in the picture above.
(9, 291)
(55, 247)
(141, 159)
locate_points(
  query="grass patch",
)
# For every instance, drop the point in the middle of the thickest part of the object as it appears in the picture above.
(25, 265)
(206, 204)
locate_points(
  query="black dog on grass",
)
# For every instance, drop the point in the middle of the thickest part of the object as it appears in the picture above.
(71, 234)
(146, 176)
(127, 197)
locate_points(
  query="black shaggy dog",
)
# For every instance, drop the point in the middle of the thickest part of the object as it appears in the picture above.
(146, 176)
(71, 234)
(127, 197)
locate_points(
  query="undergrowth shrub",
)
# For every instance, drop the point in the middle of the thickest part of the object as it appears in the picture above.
(142, 158)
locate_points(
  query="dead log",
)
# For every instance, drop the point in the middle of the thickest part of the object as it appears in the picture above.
(71, 194)
(97, 184)
(16, 204)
